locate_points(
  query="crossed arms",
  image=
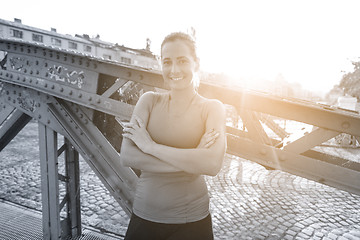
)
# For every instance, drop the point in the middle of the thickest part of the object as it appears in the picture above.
(139, 151)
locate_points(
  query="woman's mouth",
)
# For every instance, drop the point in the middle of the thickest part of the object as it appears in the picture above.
(176, 78)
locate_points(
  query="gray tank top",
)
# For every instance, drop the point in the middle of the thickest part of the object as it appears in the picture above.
(173, 197)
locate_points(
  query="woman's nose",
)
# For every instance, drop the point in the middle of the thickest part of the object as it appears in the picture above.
(175, 68)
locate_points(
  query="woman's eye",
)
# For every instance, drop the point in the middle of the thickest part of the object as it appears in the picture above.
(166, 63)
(183, 61)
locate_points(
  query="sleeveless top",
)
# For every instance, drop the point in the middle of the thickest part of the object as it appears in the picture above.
(173, 197)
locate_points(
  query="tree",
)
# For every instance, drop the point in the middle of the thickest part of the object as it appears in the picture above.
(350, 82)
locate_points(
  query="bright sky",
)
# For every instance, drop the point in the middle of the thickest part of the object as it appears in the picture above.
(307, 41)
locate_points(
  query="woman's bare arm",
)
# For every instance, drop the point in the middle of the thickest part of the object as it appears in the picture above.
(131, 155)
(205, 161)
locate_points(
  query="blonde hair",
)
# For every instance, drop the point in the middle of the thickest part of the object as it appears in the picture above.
(191, 43)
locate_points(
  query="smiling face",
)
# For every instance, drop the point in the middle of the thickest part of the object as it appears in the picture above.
(178, 64)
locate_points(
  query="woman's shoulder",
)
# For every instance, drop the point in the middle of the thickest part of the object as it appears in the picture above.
(211, 104)
(211, 107)
(152, 96)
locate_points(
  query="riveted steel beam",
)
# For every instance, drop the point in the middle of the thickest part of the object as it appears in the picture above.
(12, 124)
(342, 177)
(323, 116)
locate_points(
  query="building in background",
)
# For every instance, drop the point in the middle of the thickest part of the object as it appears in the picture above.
(79, 43)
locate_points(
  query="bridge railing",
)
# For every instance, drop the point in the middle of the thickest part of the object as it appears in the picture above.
(83, 98)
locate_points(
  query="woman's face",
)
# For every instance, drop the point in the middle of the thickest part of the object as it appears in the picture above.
(178, 64)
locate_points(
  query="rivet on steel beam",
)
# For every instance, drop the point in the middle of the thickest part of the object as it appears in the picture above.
(51, 55)
(25, 70)
(90, 98)
(80, 62)
(70, 93)
(44, 53)
(80, 95)
(46, 74)
(46, 64)
(37, 72)
(7, 75)
(11, 76)
(30, 80)
(9, 98)
(86, 121)
(48, 121)
(7, 92)
(37, 81)
(81, 133)
(95, 65)
(53, 86)
(24, 79)
(81, 115)
(45, 85)
(345, 125)
(61, 89)
(98, 101)
(39, 116)
(38, 104)
(14, 101)
(31, 72)
(65, 58)
(57, 56)
(36, 62)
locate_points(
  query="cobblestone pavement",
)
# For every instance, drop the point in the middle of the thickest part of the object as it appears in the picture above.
(247, 201)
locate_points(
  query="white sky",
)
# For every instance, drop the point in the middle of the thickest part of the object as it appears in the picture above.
(307, 41)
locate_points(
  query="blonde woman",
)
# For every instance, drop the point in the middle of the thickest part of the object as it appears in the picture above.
(174, 139)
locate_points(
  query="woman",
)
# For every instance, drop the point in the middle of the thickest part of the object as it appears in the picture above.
(174, 138)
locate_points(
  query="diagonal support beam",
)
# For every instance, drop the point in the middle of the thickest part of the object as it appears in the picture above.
(310, 140)
(11, 126)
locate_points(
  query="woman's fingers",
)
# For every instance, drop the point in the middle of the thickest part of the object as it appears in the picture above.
(139, 122)
(209, 138)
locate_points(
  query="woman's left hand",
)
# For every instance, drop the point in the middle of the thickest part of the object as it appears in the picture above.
(138, 134)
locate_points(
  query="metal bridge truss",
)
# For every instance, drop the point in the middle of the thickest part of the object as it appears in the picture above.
(83, 98)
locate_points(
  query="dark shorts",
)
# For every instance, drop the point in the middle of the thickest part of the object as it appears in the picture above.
(139, 229)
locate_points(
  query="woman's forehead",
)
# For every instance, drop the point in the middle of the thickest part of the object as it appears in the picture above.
(176, 49)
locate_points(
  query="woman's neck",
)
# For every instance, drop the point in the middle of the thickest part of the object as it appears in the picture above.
(182, 95)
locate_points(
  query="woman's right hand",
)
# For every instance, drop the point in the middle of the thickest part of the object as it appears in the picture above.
(208, 139)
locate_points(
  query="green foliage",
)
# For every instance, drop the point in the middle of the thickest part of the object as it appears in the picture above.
(350, 82)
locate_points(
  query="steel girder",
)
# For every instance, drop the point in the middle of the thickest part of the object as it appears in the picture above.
(77, 96)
